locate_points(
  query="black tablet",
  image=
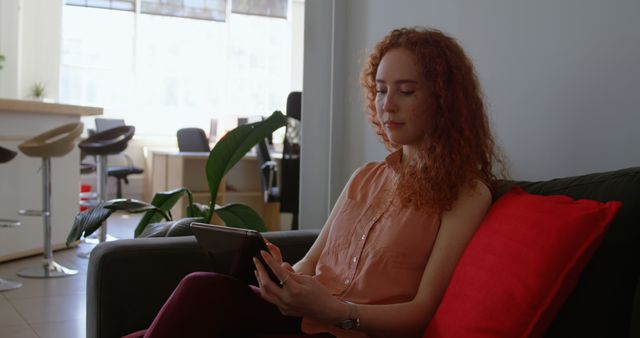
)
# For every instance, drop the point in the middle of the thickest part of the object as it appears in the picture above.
(240, 245)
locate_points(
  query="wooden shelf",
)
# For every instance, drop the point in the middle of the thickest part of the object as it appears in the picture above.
(229, 194)
(232, 194)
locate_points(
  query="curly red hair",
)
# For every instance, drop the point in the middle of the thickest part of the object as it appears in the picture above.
(459, 148)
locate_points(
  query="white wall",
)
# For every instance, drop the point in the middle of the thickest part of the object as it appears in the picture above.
(316, 99)
(30, 38)
(9, 37)
(560, 79)
(297, 43)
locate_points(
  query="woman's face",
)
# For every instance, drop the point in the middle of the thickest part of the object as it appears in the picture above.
(402, 98)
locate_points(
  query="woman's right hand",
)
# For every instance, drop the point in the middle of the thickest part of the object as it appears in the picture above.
(277, 257)
(297, 294)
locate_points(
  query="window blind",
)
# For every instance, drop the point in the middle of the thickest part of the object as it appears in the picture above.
(123, 5)
(269, 8)
(213, 10)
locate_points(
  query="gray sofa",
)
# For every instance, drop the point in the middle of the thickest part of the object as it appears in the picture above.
(129, 280)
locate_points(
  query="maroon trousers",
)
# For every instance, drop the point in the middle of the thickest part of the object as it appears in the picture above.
(214, 305)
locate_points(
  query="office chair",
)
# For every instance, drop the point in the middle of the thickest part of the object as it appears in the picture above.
(192, 140)
(111, 137)
(101, 145)
(120, 173)
(290, 168)
(269, 179)
(268, 173)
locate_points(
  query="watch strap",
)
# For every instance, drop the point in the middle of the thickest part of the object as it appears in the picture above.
(353, 320)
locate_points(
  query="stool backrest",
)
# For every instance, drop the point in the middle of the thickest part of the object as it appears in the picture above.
(6, 155)
(53, 143)
(109, 142)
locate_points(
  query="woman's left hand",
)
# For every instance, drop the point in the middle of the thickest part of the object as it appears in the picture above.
(300, 295)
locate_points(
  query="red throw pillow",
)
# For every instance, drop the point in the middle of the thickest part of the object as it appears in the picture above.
(520, 266)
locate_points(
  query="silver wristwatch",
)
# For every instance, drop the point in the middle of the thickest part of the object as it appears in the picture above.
(354, 320)
(349, 324)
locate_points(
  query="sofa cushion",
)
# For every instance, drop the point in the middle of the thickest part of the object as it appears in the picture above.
(521, 264)
(602, 302)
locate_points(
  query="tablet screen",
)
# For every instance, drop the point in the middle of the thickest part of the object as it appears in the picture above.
(244, 244)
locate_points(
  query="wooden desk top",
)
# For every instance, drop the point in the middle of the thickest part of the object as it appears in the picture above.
(24, 106)
(199, 155)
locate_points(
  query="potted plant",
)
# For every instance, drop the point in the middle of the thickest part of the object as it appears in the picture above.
(37, 91)
(226, 153)
(1, 60)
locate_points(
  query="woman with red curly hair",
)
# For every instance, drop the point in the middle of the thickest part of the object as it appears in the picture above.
(382, 262)
(457, 144)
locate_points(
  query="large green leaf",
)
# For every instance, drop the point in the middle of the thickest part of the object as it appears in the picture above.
(171, 228)
(133, 206)
(88, 222)
(164, 201)
(197, 210)
(238, 215)
(233, 146)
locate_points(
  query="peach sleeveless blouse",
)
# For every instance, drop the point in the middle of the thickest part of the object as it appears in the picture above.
(376, 251)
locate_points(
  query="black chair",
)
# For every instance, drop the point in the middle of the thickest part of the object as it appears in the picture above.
(192, 140)
(269, 178)
(268, 173)
(7, 155)
(290, 168)
(102, 144)
(120, 173)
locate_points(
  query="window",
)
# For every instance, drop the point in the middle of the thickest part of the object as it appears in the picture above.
(125, 5)
(161, 73)
(271, 8)
(196, 9)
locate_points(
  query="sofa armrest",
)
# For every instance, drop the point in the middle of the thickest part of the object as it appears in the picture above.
(129, 280)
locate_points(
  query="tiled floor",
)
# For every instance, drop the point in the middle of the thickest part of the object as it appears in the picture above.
(52, 308)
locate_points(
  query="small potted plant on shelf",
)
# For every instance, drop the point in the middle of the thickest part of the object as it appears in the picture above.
(1, 60)
(37, 91)
(226, 153)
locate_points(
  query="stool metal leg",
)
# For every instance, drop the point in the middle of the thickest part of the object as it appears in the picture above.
(101, 190)
(9, 285)
(9, 223)
(49, 268)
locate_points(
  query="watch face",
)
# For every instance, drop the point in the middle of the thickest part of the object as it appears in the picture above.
(347, 324)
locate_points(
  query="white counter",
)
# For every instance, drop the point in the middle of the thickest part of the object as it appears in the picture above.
(21, 178)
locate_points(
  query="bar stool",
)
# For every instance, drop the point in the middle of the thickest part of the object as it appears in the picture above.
(7, 155)
(56, 142)
(109, 142)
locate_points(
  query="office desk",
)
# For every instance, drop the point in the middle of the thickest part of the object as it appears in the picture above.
(168, 169)
(21, 179)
